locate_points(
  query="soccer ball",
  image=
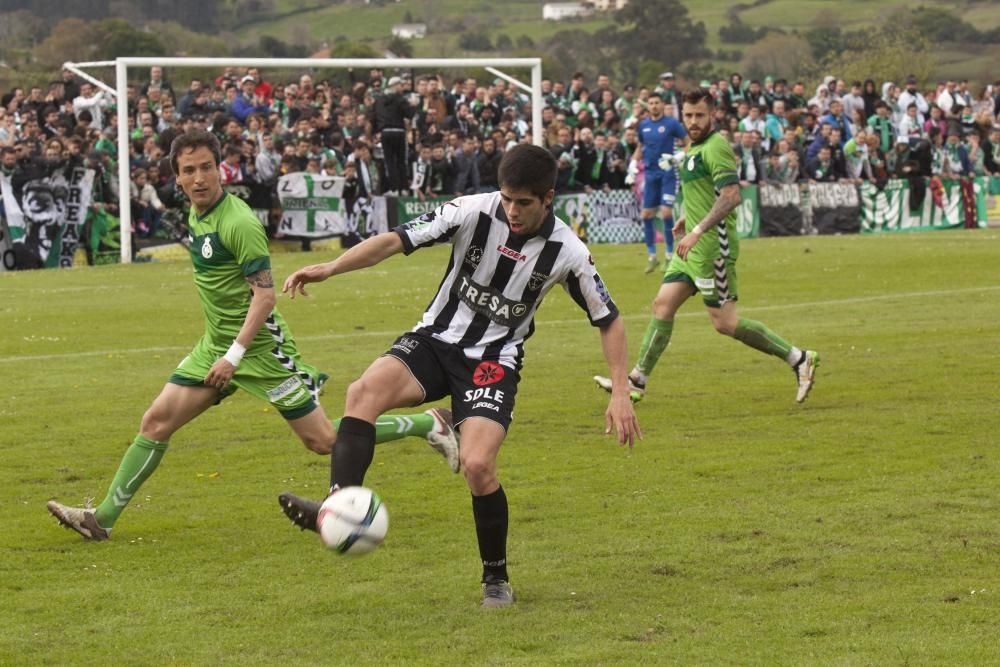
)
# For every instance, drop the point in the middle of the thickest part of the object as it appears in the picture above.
(353, 521)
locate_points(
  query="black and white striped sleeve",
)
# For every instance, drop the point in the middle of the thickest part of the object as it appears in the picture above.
(584, 285)
(433, 227)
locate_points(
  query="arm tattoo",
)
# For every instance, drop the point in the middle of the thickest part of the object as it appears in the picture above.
(728, 199)
(261, 279)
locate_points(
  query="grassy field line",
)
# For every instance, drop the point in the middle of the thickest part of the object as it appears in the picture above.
(641, 316)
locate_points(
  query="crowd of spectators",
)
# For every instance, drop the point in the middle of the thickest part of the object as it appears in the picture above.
(418, 135)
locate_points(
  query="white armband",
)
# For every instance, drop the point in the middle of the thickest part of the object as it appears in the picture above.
(234, 355)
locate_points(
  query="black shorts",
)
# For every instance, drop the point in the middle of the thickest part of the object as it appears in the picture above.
(477, 388)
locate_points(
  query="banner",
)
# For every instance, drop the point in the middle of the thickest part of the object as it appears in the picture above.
(992, 199)
(835, 208)
(367, 217)
(403, 209)
(45, 213)
(994, 185)
(7, 262)
(573, 210)
(613, 217)
(748, 213)
(781, 210)
(897, 208)
(256, 195)
(597, 217)
(312, 205)
(748, 218)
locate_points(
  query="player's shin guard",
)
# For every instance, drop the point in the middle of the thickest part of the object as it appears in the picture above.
(490, 512)
(654, 343)
(394, 427)
(139, 462)
(353, 451)
(759, 337)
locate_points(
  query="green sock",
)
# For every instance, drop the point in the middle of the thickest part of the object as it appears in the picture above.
(139, 462)
(653, 344)
(759, 337)
(394, 427)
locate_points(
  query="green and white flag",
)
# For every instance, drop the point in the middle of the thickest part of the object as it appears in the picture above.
(888, 210)
(312, 205)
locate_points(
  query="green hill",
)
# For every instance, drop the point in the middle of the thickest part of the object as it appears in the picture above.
(323, 24)
(964, 35)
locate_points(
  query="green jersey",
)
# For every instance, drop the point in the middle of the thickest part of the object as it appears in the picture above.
(709, 166)
(228, 243)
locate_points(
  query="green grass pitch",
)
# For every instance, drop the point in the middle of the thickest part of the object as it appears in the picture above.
(859, 528)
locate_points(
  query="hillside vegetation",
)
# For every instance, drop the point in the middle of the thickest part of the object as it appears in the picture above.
(791, 38)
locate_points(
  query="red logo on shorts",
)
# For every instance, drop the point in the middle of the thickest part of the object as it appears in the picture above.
(487, 372)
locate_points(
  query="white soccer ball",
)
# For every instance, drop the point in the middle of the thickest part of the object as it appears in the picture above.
(353, 521)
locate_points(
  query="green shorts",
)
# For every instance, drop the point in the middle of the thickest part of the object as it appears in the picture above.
(278, 376)
(715, 280)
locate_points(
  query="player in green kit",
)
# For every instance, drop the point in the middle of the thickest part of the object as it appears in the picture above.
(246, 345)
(705, 259)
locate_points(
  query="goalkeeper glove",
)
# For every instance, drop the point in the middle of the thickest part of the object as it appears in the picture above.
(633, 171)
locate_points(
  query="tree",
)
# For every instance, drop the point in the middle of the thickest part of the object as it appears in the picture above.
(525, 42)
(117, 38)
(180, 41)
(738, 31)
(887, 54)
(578, 49)
(782, 56)
(349, 49)
(825, 42)
(656, 30)
(504, 42)
(21, 29)
(940, 25)
(403, 48)
(70, 39)
(477, 40)
(272, 47)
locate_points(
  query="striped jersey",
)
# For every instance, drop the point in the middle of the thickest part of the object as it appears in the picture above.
(496, 279)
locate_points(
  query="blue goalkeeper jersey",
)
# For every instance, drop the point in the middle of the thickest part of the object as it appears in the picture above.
(657, 137)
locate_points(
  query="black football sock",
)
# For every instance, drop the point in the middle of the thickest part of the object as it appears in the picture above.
(490, 512)
(353, 451)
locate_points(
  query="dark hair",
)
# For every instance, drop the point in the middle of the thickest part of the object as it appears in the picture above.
(699, 95)
(194, 139)
(528, 167)
(656, 95)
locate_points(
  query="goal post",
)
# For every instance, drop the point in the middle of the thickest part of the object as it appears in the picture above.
(121, 89)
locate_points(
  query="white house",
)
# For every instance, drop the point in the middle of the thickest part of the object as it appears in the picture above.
(609, 5)
(409, 30)
(557, 11)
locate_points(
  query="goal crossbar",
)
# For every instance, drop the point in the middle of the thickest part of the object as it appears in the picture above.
(121, 86)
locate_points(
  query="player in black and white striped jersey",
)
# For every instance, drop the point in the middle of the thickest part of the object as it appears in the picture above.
(508, 251)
